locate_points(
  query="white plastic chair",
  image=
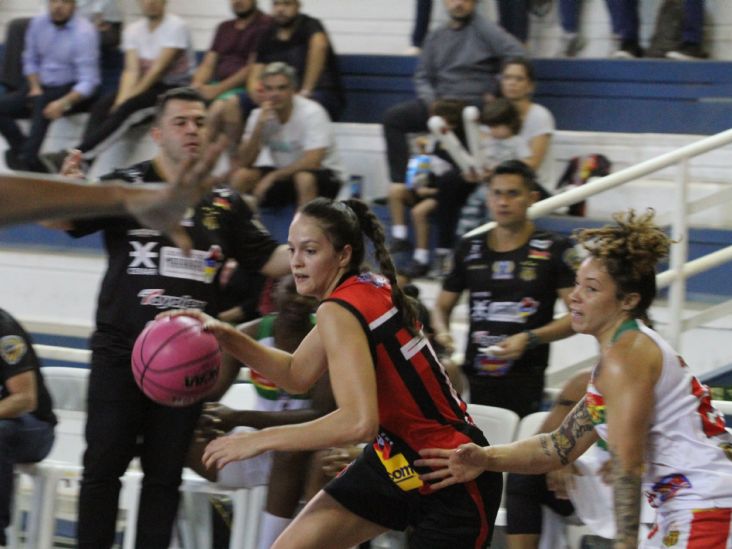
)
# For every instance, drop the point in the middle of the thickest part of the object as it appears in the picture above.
(247, 503)
(68, 388)
(498, 424)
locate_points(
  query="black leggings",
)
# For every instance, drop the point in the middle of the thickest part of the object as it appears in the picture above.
(525, 494)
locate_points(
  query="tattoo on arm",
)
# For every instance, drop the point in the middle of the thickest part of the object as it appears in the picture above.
(627, 494)
(574, 426)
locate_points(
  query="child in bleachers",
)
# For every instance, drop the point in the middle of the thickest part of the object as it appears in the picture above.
(421, 193)
(499, 142)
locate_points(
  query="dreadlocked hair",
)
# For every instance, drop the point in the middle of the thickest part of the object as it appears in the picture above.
(630, 250)
(345, 222)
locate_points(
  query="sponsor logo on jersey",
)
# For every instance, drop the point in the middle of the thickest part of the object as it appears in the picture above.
(375, 279)
(503, 270)
(398, 468)
(666, 488)
(539, 254)
(595, 407)
(572, 258)
(210, 218)
(528, 271)
(222, 202)
(157, 298)
(143, 233)
(528, 306)
(143, 258)
(540, 244)
(199, 265)
(671, 538)
(187, 220)
(475, 251)
(12, 349)
(502, 311)
(727, 449)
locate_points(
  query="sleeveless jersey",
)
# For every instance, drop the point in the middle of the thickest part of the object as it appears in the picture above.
(510, 292)
(418, 407)
(689, 455)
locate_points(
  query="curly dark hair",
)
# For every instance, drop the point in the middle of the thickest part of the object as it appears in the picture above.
(630, 250)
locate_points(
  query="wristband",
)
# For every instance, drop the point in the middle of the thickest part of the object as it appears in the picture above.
(67, 105)
(533, 340)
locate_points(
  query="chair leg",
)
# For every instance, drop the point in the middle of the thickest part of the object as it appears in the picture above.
(130, 502)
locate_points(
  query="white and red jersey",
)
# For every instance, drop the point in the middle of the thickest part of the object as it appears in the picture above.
(688, 462)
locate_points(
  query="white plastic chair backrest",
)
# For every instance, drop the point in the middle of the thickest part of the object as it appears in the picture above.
(498, 424)
(529, 425)
(240, 396)
(69, 444)
(67, 386)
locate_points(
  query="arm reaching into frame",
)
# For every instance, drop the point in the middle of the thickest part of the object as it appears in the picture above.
(29, 197)
(538, 454)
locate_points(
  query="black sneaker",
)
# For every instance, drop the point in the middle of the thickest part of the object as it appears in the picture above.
(53, 161)
(687, 52)
(13, 161)
(399, 245)
(629, 49)
(415, 269)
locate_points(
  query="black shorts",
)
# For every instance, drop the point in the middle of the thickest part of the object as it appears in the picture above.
(460, 516)
(282, 192)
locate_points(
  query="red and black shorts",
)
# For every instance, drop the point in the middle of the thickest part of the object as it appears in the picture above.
(460, 516)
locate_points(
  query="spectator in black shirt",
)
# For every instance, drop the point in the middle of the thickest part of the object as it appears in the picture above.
(26, 417)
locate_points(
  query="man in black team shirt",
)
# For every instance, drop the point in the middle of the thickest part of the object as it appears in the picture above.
(26, 417)
(514, 274)
(148, 274)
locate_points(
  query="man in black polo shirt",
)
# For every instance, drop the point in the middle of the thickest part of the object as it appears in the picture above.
(148, 274)
(515, 273)
(26, 415)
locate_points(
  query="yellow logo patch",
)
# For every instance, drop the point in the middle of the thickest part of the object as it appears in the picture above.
(400, 472)
(12, 349)
(671, 539)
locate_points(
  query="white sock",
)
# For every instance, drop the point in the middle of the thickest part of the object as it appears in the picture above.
(270, 528)
(422, 255)
(399, 231)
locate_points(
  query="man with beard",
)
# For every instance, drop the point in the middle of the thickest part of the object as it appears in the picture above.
(158, 56)
(458, 61)
(226, 66)
(147, 274)
(301, 42)
(61, 68)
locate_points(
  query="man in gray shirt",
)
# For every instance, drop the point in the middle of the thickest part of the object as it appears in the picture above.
(458, 61)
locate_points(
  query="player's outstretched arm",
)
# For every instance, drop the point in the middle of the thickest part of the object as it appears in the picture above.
(29, 197)
(535, 455)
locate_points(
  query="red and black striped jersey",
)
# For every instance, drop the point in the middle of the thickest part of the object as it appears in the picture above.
(417, 404)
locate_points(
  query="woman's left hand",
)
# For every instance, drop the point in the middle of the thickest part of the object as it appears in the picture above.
(230, 448)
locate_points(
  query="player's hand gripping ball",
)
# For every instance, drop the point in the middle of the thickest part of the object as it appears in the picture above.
(175, 362)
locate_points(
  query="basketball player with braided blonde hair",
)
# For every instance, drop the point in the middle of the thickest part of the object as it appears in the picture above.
(665, 438)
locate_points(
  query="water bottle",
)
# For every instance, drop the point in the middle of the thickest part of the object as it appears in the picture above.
(355, 184)
(418, 170)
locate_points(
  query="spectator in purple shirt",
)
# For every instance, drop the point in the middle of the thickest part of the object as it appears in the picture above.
(61, 67)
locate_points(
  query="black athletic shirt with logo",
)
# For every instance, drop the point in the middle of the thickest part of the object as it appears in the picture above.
(16, 357)
(510, 292)
(147, 273)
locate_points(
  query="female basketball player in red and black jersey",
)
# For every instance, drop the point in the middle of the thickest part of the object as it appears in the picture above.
(390, 389)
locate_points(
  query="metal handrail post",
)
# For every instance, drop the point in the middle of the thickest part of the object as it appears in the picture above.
(679, 253)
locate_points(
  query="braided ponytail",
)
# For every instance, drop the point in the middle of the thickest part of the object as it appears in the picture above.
(372, 228)
(346, 222)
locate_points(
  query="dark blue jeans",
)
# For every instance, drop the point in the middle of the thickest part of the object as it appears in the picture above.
(625, 21)
(23, 439)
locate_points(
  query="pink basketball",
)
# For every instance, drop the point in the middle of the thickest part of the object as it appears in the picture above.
(174, 361)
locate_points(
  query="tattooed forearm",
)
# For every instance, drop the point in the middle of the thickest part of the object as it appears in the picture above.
(627, 494)
(575, 425)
